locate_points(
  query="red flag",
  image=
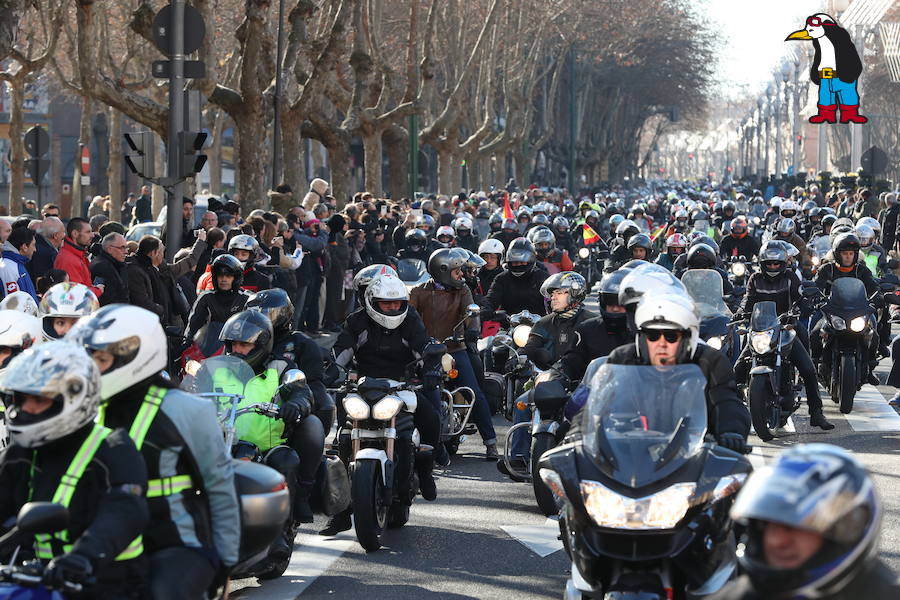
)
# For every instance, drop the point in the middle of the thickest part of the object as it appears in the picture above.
(507, 211)
(589, 235)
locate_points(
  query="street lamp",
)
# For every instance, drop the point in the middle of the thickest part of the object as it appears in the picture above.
(795, 129)
(769, 105)
(759, 136)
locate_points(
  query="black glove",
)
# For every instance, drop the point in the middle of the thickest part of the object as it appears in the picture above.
(471, 336)
(431, 380)
(293, 411)
(734, 441)
(68, 568)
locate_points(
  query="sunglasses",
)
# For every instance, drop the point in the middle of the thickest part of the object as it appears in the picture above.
(817, 22)
(654, 335)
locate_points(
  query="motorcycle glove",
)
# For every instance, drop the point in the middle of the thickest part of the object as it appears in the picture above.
(733, 441)
(293, 411)
(471, 336)
(432, 380)
(68, 568)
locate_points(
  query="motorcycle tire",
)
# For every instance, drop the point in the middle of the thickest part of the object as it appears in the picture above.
(369, 511)
(545, 501)
(452, 447)
(848, 381)
(398, 515)
(275, 570)
(760, 399)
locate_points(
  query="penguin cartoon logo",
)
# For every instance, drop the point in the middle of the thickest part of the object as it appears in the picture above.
(835, 69)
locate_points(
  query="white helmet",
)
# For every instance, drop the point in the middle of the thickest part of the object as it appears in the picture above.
(135, 338)
(387, 288)
(649, 279)
(59, 370)
(491, 246)
(775, 202)
(65, 299)
(445, 230)
(668, 312)
(790, 205)
(18, 331)
(870, 221)
(20, 301)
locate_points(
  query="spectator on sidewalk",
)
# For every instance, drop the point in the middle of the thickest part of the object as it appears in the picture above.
(143, 206)
(72, 257)
(109, 268)
(50, 235)
(17, 250)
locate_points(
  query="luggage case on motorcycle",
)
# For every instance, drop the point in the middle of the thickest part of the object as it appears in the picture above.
(331, 493)
(493, 390)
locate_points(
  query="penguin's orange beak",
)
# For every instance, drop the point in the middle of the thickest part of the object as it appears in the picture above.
(802, 34)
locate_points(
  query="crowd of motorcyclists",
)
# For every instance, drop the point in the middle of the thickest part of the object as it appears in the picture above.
(100, 415)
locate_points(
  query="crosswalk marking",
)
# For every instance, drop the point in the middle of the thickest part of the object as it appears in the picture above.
(871, 412)
(757, 459)
(542, 539)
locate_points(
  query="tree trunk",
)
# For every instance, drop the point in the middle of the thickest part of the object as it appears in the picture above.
(372, 162)
(84, 141)
(214, 156)
(17, 147)
(293, 167)
(251, 164)
(455, 175)
(396, 144)
(445, 159)
(522, 168)
(339, 163)
(114, 169)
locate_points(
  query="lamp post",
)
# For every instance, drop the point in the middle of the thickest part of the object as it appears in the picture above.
(769, 105)
(795, 128)
(782, 108)
(759, 136)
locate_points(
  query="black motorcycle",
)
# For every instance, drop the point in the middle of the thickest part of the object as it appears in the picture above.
(716, 326)
(772, 389)
(508, 355)
(643, 499)
(591, 261)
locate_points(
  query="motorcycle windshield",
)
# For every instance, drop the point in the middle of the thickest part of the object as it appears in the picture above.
(411, 269)
(848, 294)
(221, 375)
(764, 316)
(705, 287)
(207, 338)
(642, 423)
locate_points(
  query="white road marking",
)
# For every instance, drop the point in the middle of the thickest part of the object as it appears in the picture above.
(756, 457)
(541, 539)
(871, 412)
(313, 555)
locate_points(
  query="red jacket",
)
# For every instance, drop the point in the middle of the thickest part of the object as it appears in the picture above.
(73, 260)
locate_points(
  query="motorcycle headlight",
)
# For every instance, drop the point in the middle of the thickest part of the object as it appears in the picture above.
(738, 269)
(837, 322)
(857, 324)
(385, 409)
(761, 341)
(447, 362)
(356, 407)
(554, 482)
(520, 335)
(816, 260)
(715, 342)
(662, 510)
(583, 253)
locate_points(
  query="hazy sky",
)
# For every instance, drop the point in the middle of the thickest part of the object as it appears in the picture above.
(752, 36)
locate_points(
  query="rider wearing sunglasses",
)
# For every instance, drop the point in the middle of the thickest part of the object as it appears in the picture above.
(668, 333)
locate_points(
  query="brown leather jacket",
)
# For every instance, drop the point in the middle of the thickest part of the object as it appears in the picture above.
(441, 310)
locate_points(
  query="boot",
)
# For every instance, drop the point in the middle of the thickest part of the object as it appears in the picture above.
(424, 466)
(817, 419)
(338, 523)
(302, 511)
(490, 452)
(849, 114)
(827, 114)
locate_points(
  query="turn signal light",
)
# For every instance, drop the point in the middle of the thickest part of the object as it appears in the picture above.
(521, 405)
(452, 373)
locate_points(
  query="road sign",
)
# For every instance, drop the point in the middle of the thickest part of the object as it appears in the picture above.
(194, 29)
(874, 160)
(85, 180)
(193, 69)
(85, 161)
(37, 168)
(66, 188)
(37, 142)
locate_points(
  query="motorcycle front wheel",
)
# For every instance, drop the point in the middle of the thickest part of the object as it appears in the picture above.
(848, 380)
(540, 444)
(398, 515)
(367, 498)
(761, 399)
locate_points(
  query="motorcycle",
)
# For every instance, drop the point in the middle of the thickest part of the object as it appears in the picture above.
(643, 499)
(457, 401)
(590, 262)
(716, 329)
(772, 389)
(507, 354)
(205, 344)
(739, 270)
(850, 324)
(223, 380)
(547, 401)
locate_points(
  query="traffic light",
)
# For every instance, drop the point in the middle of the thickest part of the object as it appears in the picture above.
(139, 157)
(191, 161)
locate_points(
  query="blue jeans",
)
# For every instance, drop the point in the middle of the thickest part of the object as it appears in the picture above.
(834, 91)
(481, 414)
(521, 439)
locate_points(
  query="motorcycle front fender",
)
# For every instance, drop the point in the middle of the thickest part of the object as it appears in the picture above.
(545, 426)
(379, 455)
(761, 370)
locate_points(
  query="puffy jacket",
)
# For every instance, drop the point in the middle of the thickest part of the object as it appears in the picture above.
(553, 335)
(517, 293)
(72, 259)
(441, 309)
(14, 274)
(214, 307)
(184, 439)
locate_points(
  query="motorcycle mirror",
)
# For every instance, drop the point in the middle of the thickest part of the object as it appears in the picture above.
(294, 376)
(473, 309)
(434, 349)
(42, 517)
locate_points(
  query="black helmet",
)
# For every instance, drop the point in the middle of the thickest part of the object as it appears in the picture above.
(561, 224)
(699, 215)
(641, 240)
(818, 488)
(701, 256)
(844, 242)
(540, 219)
(773, 259)
(443, 261)
(275, 304)
(728, 205)
(226, 264)
(520, 250)
(566, 280)
(543, 240)
(416, 240)
(609, 297)
(704, 239)
(251, 327)
(495, 219)
(786, 227)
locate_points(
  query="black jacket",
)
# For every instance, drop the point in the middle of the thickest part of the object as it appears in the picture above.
(214, 307)
(486, 278)
(552, 336)
(514, 294)
(732, 246)
(145, 288)
(784, 291)
(115, 277)
(43, 258)
(888, 220)
(592, 340)
(829, 271)
(381, 352)
(255, 280)
(506, 237)
(108, 509)
(725, 411)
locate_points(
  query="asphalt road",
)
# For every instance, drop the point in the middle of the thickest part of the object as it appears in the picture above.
(484, 538)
